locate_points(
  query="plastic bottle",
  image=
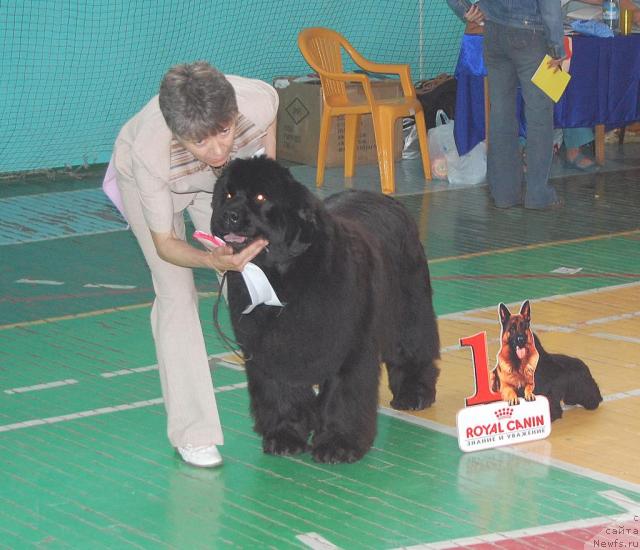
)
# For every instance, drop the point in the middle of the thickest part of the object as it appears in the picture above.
(611, 14)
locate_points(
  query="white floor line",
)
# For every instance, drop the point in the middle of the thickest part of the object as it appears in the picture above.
(71, 236)
(80, 414)
(623, 501)
(621, 395)
(39, 387)
(124, 372)
(315, 541)
(103, 410)
(135, 370)
(616, 337)
(621, 317)
(39, 282)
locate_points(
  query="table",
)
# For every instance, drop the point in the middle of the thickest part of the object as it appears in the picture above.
(604, 90)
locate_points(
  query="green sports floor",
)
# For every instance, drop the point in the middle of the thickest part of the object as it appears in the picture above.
(85, 463)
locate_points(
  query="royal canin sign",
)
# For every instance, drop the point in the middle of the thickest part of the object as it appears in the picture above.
(498, 423)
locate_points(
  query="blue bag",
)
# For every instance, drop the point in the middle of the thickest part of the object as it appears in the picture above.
(591, 27)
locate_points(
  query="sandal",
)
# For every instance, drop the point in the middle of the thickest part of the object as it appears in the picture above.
(553, 205)
(578, 163)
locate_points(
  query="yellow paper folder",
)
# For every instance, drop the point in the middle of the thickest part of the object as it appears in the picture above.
(551, 83)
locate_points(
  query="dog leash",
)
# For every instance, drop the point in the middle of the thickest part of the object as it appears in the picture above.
(231, 344)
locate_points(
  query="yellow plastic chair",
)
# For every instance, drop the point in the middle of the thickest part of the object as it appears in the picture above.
(322, 48)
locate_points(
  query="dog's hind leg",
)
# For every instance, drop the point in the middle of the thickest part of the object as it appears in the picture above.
(284, 414)
(412, 383)
(410, 361)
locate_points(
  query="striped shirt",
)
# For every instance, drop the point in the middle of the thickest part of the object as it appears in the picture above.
(147, 156)
(183, 163)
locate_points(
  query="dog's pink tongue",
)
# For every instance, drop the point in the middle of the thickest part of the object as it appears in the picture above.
(521, 352)
(233, 238)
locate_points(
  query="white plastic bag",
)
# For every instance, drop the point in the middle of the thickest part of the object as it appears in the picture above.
(469, 169)
(441, 145)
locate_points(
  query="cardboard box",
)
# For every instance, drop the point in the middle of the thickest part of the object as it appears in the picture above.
(299, 115)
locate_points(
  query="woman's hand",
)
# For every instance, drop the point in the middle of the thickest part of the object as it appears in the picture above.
(555, 63)
(178, 252)
(474, 15)
(224, 259)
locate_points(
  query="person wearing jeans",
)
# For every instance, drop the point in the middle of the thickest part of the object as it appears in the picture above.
(512, 55)
(517, 36)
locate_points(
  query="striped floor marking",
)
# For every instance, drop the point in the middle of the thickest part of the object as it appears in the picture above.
(47, 216)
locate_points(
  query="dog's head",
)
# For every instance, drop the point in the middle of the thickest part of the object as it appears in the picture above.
(259, 197)
(516, 330)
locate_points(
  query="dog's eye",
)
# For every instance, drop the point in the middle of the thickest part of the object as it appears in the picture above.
(230, 194)
(260, 198)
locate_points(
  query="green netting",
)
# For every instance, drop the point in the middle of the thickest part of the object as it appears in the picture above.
(72, 72)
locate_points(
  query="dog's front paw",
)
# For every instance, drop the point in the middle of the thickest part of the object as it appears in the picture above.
(510, 396)
(337, 450)
(529, 396)
(284, 444)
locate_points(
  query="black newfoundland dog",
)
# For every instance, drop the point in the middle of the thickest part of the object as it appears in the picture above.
(353, 278)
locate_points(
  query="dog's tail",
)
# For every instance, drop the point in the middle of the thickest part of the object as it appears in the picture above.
(583, 389)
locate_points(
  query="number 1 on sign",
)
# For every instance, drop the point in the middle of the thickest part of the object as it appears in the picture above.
(484, 394)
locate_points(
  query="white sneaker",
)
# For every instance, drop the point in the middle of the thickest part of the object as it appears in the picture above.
(206, 456)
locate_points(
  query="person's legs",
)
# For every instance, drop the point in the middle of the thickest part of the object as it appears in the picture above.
(187, 388)
(577, 137)
(574, 139)
(504, 163)
(527, 51)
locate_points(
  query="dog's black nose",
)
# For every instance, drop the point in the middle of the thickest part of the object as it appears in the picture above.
(231, 218)
(521, 340)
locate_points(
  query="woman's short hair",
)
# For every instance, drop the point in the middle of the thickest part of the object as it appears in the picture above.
(197, 101)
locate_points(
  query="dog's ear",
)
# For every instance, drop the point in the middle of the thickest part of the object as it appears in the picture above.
(505, 314)
(525, 310)
(307, 215)
(220, 189)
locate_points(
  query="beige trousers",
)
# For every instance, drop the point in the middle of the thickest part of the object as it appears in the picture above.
(187, 388)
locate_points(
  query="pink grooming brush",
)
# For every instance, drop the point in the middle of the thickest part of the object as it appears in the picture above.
(208, 240)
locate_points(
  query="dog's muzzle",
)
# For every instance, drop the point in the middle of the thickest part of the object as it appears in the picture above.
(232, 220)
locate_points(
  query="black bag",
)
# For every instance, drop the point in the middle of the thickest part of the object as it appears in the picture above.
(437, 93)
